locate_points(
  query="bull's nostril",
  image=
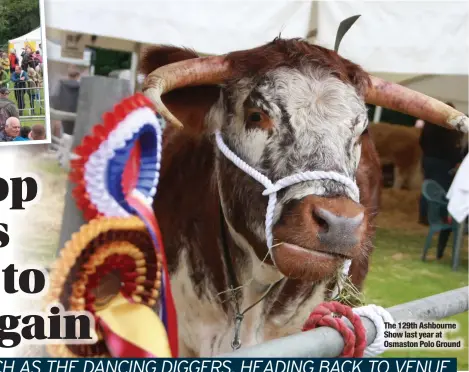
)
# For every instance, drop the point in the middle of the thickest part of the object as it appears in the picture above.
(341, 232)
(321, 222)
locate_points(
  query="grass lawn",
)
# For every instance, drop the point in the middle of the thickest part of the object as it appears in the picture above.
(397, 275)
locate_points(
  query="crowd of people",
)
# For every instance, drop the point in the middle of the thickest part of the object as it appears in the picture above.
(23, 78)
(10, 125)
(13, 131)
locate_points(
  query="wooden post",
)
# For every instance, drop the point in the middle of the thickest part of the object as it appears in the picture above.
(134, 66)
(98, 95)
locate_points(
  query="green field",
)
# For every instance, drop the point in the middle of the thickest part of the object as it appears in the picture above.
(397, 275)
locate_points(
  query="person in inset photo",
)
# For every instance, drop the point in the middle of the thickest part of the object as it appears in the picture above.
(20, 78)
(28, 58)
(4, 77)
(14, 61)
(24, 134)
(11, 130)
(32, 84)
(37, 56)
(38, 132)
(5, 62)
(7, 108)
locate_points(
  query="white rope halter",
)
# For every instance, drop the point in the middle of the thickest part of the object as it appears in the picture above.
(271, 188)
(376, 314)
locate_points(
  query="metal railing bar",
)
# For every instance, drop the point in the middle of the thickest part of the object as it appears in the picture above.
(62, 115)
(325, 342)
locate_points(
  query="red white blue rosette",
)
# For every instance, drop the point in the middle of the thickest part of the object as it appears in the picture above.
(120, 158)
(116, 175)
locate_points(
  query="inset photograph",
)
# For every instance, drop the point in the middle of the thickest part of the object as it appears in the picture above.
(23, 98)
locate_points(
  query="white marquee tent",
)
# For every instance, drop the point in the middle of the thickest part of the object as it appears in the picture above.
(397, 40)
(32, 38)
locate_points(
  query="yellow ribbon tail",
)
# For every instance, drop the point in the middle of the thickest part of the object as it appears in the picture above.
(133, 330)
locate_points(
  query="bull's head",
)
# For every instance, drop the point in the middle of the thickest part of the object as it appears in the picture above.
(284, 108)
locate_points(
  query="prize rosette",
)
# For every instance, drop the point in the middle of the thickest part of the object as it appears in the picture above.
(121, 157)
(115, 266)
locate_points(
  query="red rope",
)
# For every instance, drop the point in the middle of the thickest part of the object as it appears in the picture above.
(355, 343)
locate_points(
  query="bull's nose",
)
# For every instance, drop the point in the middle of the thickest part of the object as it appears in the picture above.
(334, 225)
(337, 233)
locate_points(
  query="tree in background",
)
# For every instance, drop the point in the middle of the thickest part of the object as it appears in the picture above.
(18, 17)
(106, 60)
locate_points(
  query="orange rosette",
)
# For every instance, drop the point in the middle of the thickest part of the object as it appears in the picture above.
(110, 269)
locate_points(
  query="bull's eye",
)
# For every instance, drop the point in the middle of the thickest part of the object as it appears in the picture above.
(256, 118)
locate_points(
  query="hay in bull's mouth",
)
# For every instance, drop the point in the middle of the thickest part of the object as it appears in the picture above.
(348, 294)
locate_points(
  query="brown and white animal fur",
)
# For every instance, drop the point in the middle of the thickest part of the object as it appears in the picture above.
(321, 93)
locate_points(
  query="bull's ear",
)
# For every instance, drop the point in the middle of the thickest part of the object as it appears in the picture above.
(189, 105)
(162, 55)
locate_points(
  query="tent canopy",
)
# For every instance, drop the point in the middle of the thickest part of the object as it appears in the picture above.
(34, 35)
(395, 40)
(206, 26)
(391, 37)
(400, 37)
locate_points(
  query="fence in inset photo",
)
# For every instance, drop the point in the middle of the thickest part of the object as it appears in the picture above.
(30, 102)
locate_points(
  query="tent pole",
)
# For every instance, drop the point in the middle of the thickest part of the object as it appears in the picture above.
(92, 62)
(377, 114)
(134, 67)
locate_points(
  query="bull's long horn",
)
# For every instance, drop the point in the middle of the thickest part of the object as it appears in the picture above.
(191, 72)
(399, 98)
